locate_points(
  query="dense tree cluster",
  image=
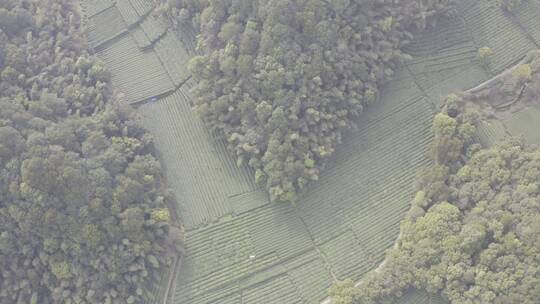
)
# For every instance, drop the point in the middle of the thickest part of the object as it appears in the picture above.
(281, 80)
(83, 212)
(473, 231)
(182, 13)
(343, 292)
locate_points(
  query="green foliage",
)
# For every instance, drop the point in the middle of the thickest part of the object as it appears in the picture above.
(183, 12)
(160, 215)
(451, 134)
(99, 72)
(91, 235)
(343, 292)
(444, 125)
(522, 73)
(81, 196)
(61, 270)
(469, 235)
(484, 56)
(282, 80)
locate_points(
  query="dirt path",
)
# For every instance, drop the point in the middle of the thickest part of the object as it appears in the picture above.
(492, 81)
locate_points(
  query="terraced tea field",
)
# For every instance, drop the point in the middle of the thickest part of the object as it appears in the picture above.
(526, 123)
(239, 247)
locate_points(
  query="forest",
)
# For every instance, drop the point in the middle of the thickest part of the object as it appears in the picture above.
(86, 215)
(282, 80)
(84, 212)
(472, 232)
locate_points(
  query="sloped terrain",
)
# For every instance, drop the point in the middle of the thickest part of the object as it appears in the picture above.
(493, 27)
(526, 123)
(241, 248)
(491, 131)
(144, 59)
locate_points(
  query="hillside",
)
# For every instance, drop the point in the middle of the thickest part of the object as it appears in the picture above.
(84, 211)
(239, 247)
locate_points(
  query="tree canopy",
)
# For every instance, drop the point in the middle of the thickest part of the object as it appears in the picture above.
(472, 233)
(282, 80)
(84, 215)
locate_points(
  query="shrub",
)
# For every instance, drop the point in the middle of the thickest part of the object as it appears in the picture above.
(522, 73)
(484, 56)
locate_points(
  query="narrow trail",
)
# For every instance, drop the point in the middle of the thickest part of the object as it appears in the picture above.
(492, 81)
